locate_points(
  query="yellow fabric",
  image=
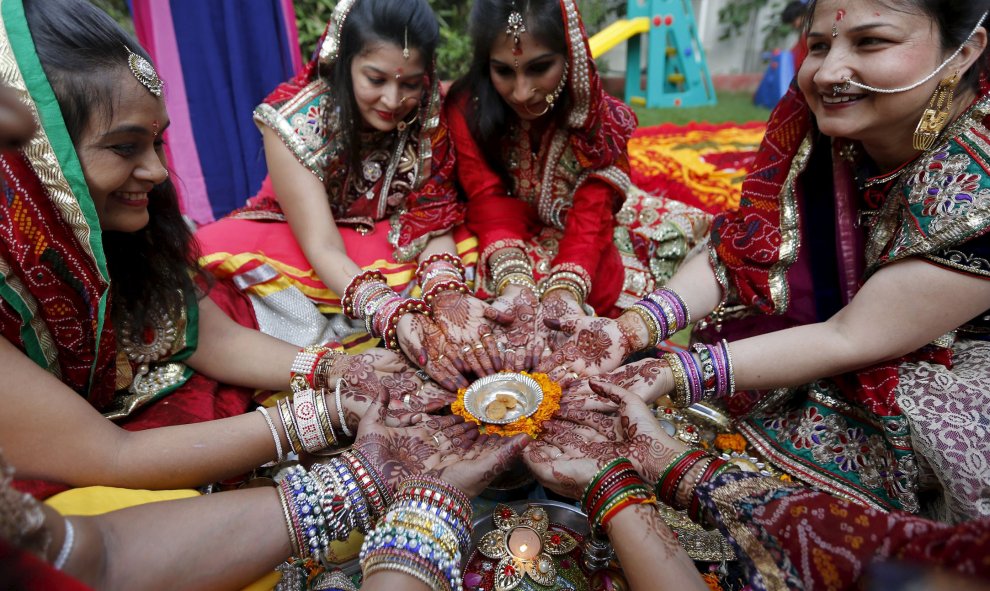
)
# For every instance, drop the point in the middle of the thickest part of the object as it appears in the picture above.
(96, 500)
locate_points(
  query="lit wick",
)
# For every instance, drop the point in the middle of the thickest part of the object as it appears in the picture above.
(524, 543)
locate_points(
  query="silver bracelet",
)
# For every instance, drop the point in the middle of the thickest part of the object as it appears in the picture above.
(340, 409)
(67, 544)
(278, 442)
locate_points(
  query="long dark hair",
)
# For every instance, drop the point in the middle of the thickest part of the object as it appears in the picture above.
(405, 23)
(955, 20)
(84, 54)
(488, 115)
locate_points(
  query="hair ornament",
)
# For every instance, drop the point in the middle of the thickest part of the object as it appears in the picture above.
(405, 44)
(515, 28)
(144, 72)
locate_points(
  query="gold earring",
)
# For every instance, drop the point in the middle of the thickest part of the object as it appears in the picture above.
(936, 116)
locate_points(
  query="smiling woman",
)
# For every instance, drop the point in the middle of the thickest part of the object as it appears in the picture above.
(360, 205)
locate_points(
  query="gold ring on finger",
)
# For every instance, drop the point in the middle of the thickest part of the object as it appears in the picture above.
(466, 349)
(479, 346)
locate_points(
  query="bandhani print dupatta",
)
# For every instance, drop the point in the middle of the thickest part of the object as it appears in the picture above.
(54, 283)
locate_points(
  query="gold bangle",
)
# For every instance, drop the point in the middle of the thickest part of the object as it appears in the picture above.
(323, 416)
(288, 422)
(682, 390)
(652, 330)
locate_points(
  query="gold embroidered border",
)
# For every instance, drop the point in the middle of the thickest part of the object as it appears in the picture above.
(272, 118)
(725, 498)
(790, 235)
(43, 161)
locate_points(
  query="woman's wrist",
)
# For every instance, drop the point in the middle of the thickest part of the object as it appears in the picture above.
(638, 334)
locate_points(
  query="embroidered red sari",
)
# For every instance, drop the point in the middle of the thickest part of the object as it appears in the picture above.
(571, 201)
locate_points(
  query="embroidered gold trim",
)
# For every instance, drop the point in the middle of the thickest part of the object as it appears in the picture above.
(725, 498)
(790, 235)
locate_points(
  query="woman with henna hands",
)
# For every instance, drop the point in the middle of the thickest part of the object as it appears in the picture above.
(871, 380)
(542, 157)
(395, 469)
(788, 536)
(360, 188)
(99, 317)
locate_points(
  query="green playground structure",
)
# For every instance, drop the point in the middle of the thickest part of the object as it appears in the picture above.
(676, 71)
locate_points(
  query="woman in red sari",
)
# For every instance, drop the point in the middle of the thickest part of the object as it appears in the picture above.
(542, 157)
(100, 317)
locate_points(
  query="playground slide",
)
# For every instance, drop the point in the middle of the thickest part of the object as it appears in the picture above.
(616, 33)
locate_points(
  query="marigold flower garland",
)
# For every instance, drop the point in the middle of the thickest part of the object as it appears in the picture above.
(531, 425)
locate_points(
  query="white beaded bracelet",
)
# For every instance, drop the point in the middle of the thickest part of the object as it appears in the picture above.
(67, 544)
(280, 457)
(340, 409)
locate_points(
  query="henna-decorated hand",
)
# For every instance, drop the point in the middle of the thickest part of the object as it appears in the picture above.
(645, 443)
(559, 459)
(473, 468)
(610, 340)
(419, 448)
(648, 378)
(594, 347)
(469, 324)
(424, 342)
(380, 371)
(524, 338)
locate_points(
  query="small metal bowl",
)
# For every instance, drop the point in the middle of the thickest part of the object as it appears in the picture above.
(523, 389)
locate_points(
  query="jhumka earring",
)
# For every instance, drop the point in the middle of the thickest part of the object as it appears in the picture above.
(144, 72)
(936, 116)
(552, 97)
(515, 28)
(405, 44)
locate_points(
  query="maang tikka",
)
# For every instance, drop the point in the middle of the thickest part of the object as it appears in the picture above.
(515, 28)
(144, 72)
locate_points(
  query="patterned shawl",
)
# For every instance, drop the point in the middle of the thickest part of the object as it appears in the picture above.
(753, 248)
(54, 284)
(406, 176)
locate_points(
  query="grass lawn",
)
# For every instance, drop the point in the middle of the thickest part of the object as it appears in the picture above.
(737, 107)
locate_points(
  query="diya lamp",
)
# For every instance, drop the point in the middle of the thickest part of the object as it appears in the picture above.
(524, 545)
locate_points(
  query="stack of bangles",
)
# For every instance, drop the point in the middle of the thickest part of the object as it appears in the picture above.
(664, 313)
(702, 374)
(368, 297)
(329, 501)
(510, 266)
(615, 487)
(675, 490)
(569, 277)
(425, 534)
(439, 273)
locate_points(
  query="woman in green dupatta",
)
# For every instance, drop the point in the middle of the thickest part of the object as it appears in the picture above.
(100, 311)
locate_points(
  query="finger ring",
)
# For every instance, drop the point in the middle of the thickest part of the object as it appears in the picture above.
(574, 375)
(436, 439)
(422, 374)
(406, 399)
(479, 346)
(440, 358)
(500, 346)
(466, 349)
(508, 350)
(486, 335)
